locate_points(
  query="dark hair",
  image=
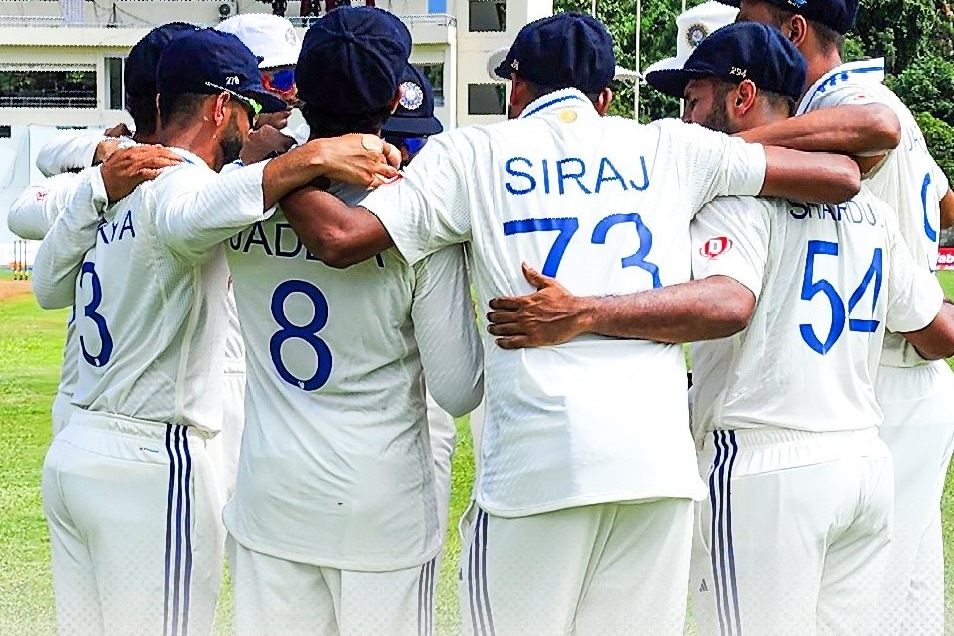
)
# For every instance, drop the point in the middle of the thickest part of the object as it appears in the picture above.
(144, 113)
(179, 108)
(536, 91)
(322, 124)
(776, 101)
(828, 38)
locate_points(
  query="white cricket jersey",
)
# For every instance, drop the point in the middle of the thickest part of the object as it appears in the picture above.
(908, 179)
(604, 205)
(30, 217)
(150, 296)
(336, 467)
(828, 281)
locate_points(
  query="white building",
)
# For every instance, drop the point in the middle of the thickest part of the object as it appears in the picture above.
(61, 64)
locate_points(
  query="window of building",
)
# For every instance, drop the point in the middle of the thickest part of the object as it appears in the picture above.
(488, 15)
(437, 6)
(46, 87)
(5, 132)
(435, 75)
(114, 83)
(486, 99)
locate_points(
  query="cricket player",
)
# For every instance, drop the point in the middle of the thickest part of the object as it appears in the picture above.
(572, 497)
(33, 213)
(128, 489)
(916, 395)
(335, 524)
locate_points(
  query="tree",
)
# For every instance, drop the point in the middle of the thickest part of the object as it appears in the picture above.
(927, 86)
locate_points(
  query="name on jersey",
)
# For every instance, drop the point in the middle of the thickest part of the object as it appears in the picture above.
(570, 174)
(111, 231)
(281, 241)
(853, 211)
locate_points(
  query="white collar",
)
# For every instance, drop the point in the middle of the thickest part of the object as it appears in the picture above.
(557, 100)
(864, 71)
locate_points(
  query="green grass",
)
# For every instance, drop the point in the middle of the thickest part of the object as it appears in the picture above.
(30, 349)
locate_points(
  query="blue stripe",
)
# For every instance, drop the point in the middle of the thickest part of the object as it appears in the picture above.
(483, 577)
(172, 475)
(731, 551)
(177, 576)
(471, 572)
(551, 103)
(837, 78)
(715, 547)
(187, 531)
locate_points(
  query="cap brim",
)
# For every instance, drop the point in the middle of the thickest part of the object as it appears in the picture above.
(504, 71)
(275, 61)
(672, 81)
(270, 103)
(413, 126)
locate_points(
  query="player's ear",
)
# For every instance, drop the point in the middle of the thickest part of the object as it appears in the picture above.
(218, 109)
(603, 101)
(746, 95)
(797, 29)
(396, 100)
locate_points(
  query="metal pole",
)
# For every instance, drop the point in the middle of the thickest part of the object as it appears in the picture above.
(636, 83)
(593, 8)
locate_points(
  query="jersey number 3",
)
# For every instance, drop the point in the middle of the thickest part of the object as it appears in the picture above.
(812, 287)
(307, 332)
(90, 311)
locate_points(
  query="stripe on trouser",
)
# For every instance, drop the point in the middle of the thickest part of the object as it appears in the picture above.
(425, 599)
(178, 554)
(721, 548)
(481, 616)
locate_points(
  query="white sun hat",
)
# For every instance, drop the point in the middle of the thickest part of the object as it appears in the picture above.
(692, 27)
(271, 38)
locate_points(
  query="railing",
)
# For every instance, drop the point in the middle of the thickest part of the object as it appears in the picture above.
(47, 101)
(436, 19)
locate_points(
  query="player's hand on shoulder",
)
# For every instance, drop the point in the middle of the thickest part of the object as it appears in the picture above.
(549, 316)
(358, 159)
(119, 130)
(126, 168)
(263, 143)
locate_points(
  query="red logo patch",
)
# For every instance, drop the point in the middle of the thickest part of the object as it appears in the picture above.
(716, 247)
(41, 194)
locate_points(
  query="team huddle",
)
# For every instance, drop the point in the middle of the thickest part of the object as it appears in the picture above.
(273, 328)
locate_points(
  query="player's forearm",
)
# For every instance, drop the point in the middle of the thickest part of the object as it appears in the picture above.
(335, 233)
(809, 177)
(864, 129)
(715, 307)
(947, 210)
(70, 152)
(936, 341)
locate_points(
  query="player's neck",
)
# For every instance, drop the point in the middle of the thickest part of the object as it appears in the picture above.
(197, 140)
(820, 64)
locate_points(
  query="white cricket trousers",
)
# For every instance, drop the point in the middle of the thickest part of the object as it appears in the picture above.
(793, 537)
(223, 449)
(135, 529)
(605, 569)
(918, 405)
(277, 597)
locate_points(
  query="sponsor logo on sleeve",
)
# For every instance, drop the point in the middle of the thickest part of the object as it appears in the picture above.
(716, 247)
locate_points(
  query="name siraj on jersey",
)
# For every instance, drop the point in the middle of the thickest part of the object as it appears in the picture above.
(110, 231)
(277, 239)
(554, 176)
(853, 211)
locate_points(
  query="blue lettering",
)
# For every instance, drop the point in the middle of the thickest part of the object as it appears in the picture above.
(127, 225)
(546, 177)
(516, 173)
(279, 228)
(600, 179)
(564, 176)
(256, 230)
(235, 242)
(642, 163)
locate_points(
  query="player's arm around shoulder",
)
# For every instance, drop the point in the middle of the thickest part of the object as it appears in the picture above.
(446, 332)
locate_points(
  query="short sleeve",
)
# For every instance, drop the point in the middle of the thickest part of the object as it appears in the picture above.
(730, 237)
(939, 180)
(914, 293)
(428, 206)
(713, 164)
(844, 95)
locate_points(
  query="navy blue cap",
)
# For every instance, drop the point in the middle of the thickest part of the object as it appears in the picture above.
(139, 70)
(737, 52)
(352, 60)
(836, 14)
(188, 64)
(414, 116)
(567, 50)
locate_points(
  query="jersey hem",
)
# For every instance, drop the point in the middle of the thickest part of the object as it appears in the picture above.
(628, 496)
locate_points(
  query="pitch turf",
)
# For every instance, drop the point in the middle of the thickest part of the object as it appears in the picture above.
(30, 348)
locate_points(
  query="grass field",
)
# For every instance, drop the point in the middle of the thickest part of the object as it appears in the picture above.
(30, 350)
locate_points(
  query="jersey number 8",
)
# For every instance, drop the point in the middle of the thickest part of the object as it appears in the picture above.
(307, 332)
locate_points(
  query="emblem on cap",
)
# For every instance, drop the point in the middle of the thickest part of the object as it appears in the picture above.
(798, 3)
(696, 34)
(515, 65)
(412, 96)
(735, 71)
